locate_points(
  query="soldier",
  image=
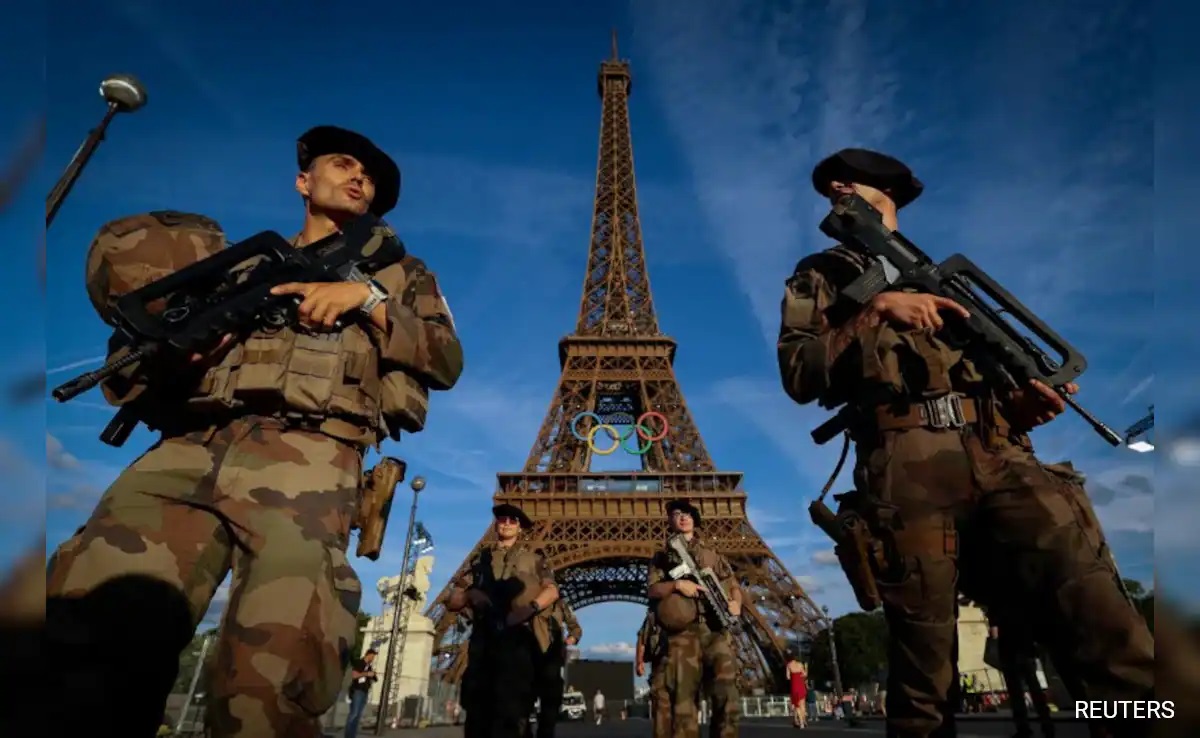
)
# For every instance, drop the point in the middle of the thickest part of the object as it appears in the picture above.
(1018, 660)
(650, 650)
(258, 470)
(549, 688)
(696, 651)
(918, 485)
(506, 585)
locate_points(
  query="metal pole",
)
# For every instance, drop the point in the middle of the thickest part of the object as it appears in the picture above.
(78, 162)
(837, 672)
(195, 680)
(124, 94)
(417, 485)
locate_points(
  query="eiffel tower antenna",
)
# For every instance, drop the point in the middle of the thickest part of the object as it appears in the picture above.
(599, 529)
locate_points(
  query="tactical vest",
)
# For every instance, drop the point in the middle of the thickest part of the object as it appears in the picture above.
(905, 364)
(676, 613)
(511, 580)
(332, 380)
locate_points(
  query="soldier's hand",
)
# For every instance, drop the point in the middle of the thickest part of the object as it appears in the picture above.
(735, 608)
(919, 311)
(323, 303)
(640, 669)
(570, 641)
(688, 588)
(518, 616)
(1037, 404)
(214, 355)
(478, 599)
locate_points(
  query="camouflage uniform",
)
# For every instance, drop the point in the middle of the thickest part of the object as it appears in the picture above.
(651, 645)
(924, 491)
(697, 657)
(549, 689)
(498, 687)
(257, 472)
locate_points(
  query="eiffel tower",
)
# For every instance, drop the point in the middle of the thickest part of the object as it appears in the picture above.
(599, 530)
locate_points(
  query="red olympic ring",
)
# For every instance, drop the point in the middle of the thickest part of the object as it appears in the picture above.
(640, 424)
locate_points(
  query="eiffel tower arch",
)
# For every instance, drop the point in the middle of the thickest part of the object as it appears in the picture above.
(599, 530)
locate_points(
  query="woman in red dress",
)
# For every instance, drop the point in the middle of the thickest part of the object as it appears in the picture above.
(799, 677)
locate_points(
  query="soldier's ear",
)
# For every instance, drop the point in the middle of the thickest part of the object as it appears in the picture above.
(303, 185)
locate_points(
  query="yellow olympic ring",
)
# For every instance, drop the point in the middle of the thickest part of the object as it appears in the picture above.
(612, 433)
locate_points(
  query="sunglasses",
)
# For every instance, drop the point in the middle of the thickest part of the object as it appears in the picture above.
(507, 520)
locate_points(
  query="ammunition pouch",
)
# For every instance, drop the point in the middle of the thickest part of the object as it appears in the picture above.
(375, 505)
(322, 374)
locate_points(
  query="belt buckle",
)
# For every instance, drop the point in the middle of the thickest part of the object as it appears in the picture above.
(945, 412)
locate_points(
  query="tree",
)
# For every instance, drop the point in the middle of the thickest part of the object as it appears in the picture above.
(1134, 588)
(861, 639)
(361, 621)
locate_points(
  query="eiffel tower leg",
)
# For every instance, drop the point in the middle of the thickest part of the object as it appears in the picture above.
(599, 530)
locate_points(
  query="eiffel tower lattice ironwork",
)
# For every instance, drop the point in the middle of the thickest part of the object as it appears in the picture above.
(600, 529)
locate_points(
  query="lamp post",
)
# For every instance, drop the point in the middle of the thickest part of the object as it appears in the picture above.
(837, 672)
(124, 94)
(1134, 435)
(191, 693)
(418, 484)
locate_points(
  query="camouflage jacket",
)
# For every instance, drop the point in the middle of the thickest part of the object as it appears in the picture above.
(830, 351)
(564, 614)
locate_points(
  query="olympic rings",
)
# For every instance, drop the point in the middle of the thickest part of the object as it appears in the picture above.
(639, 427)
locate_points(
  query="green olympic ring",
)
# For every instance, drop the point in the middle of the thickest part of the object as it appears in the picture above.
(643, 432)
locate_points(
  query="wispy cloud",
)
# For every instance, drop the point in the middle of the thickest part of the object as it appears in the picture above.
(57, 456)
(756, 97)
(89, 361)
(825, 557)
(620, 649)
(811, 584)
(1138, 389)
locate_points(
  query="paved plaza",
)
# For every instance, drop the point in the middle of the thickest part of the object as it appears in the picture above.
(988, 727)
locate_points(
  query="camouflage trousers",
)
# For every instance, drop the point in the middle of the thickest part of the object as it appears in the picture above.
(1018, 529)
(695, 660)
(127, 591)
(499, 686)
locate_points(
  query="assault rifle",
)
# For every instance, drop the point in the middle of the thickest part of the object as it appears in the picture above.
(895, 262)
(189, 311)
(715, 600)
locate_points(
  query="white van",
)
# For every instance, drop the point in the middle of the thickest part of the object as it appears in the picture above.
(573, 706)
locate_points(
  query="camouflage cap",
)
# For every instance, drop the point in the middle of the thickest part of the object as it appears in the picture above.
(131, 252)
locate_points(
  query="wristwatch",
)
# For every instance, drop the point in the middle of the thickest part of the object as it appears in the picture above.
(536, 607)
(378, 293)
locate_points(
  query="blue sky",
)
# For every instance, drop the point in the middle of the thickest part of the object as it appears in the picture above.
(1036, 147)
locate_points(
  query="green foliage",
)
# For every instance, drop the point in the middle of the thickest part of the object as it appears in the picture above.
(861, 640)
(361, 622)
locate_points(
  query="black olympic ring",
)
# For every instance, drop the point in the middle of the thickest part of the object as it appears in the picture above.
(619, 440)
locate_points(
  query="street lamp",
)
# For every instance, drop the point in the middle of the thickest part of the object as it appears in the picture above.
(1134, 435)
(418, 484)
(837, 673)
(124, 94)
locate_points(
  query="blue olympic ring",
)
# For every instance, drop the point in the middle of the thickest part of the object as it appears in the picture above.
(619, 440)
